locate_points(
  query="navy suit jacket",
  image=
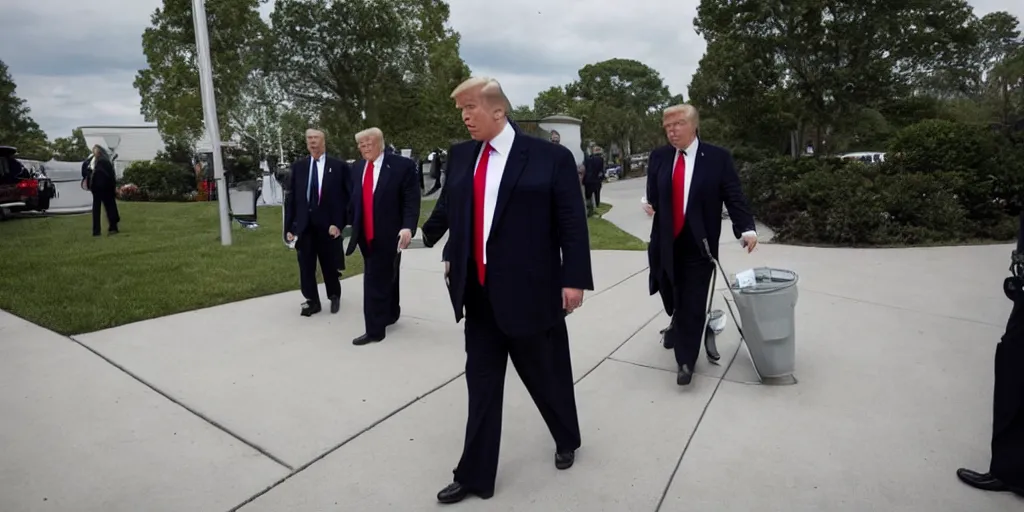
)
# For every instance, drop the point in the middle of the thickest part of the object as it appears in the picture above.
(714, 183)
(335, 196)
(538, 244)
(396, 201)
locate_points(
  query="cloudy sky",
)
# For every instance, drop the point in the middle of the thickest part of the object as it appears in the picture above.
(74, 62)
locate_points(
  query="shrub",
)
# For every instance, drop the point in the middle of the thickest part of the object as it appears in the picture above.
(159, 180)
(834, 202)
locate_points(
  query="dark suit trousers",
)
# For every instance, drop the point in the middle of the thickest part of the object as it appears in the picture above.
(106, 198)
(381, 306)
(693, 273)
(542, 362)
(315, 244)
(592, 190)
(1008, 403)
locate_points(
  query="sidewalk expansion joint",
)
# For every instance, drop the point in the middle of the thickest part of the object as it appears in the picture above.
(343, 443)
(181, 404)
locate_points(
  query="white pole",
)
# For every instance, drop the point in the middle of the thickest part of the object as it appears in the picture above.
(210, 115)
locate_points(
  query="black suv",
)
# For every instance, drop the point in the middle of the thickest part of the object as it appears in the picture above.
(22, 188)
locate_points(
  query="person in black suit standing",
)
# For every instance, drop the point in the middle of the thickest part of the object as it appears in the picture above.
(385, 210)
(687, 183)
(315, 214)
(98, 177)
(517, 262)
(1006, 465)
(593, 176)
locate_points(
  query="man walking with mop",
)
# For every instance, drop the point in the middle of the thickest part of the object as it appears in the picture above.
(687, 183)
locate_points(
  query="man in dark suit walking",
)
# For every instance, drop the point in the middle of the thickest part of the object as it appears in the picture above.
(687, 183)
(593, 176)
(517, 261)
(385, 210)
(314, 215)
(1006, 465)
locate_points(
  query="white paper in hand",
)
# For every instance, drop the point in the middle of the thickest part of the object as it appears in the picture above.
(291, 245)
(746, 279)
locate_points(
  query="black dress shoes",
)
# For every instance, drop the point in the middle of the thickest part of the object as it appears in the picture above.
(335, 304)
(565, 460)
(455, 493)
(365, 339)
(684, 376)
(309, 309)
(986, 482)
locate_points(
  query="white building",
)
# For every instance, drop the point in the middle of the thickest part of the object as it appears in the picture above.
(132, 143)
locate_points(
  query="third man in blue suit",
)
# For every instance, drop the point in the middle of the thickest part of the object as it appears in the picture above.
(385, 210)
(687, 183)
(517, 262)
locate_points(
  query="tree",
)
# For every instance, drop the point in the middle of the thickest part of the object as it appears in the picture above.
(618, 99)
(17, 128)
(70, 149)
(810, 59)
(169, 87)
(359, 63)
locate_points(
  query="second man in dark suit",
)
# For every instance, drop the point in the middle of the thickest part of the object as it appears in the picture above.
(687, 183)
(385, 211)
(314, 215)
(593, 177)
(517, 261)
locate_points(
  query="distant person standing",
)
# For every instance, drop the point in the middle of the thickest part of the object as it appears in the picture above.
(98, 177)
(556, 138)
(314, 215)
(593, 177)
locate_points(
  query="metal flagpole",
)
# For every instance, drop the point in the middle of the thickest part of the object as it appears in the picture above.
(210, 115)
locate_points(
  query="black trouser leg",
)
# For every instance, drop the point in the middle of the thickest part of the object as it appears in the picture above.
(396, 305)
(597, 195)
(110, 205)
(486, 360)
(693, 273)
(377, 289)
(1008, 403)
(306, 251)
(328, 253)
(97, 203)
(543, 363)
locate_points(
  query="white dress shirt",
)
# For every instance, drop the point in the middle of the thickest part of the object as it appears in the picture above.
(691, 160)
(502, 145)
(377, 164)
(319, 171)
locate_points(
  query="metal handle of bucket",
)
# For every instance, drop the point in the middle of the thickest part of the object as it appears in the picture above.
(707, 252)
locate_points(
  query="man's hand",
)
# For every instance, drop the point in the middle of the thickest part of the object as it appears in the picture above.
(334, 231)
(404, 238)
(648, 209)
(290, 237)
(572, 298)
(447, 268)
(750, 241)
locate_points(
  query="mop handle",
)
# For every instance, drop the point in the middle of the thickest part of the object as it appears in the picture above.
(707, 252)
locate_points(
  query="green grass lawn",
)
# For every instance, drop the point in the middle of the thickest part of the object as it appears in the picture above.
(167, 259)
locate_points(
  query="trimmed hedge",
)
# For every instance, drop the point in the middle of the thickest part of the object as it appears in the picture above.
(160, 180)
(941, 182)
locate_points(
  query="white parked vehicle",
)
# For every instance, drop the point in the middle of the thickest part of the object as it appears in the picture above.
(868, 157)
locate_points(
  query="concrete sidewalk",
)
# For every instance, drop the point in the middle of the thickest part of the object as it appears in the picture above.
(249, 406)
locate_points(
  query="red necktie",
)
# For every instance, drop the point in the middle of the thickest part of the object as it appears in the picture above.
(368, 202)
(679, 193)
(479, 189)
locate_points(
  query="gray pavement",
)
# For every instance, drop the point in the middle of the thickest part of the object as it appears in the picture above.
(249, 406)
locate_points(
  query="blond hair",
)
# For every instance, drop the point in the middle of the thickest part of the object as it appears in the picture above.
(374, 132)
(490, 90)
(688, 111)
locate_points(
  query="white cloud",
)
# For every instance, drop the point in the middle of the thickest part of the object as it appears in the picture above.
(74, 62)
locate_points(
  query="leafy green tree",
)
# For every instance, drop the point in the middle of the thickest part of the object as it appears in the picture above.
(70, 149)
(169, 86)
(17, 128)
